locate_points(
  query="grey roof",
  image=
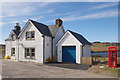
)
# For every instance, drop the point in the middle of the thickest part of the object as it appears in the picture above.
(53, 29)
(13, 32)
(42, 28)
(16, 32)
(80, 38)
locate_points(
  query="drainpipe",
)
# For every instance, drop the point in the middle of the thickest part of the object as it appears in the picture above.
(52, 49)
(18, 49)
(43, 47)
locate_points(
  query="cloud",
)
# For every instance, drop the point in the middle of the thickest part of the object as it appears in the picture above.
(1, 24)
(51, 10)
(8, 22)
(103, 14)
(21, 9)
(101, 0)
(59, 0)
(104, 6)
(92, 16)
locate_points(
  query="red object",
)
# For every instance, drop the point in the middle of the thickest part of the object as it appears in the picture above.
(112, 57)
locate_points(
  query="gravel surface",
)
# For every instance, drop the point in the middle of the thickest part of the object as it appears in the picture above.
(15, 69)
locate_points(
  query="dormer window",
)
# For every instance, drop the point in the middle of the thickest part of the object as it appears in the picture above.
(30, 35)
(13, 37)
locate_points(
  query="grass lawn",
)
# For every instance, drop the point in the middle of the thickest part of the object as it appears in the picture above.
(114, 71)
(105, 70)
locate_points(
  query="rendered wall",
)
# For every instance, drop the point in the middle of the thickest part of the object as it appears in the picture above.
(69, 40)
(37, 44)
(58, 35)
(86, 51)
(47, 49)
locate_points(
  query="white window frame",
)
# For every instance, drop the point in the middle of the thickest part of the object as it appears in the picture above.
(12, 51)
(28, 55)
(29, 35)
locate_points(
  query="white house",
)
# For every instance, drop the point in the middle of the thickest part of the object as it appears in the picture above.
(72, 46)
(36, 42)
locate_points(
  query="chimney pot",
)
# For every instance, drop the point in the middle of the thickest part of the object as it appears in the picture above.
(17, 27)
(58, 22)
(17, 24)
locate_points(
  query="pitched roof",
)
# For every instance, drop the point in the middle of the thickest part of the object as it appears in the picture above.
(53, 29)
(12, 33)
(16, 32)
(80, 38)
(42, 28)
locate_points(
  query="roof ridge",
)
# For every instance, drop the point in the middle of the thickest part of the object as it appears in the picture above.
(74, 32)
(37, 22)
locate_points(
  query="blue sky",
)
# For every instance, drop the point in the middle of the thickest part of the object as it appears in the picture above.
(96, 21)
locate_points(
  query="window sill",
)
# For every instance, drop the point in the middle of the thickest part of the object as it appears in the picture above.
(30, 39)
(31, 58)
(12, 55)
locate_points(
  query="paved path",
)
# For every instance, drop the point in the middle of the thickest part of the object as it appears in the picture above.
(14, 69)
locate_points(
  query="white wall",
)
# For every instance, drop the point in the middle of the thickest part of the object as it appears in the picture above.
(58, 35)
(86, 51)
(8, 48)
(69, 40)
(9, 45)
(47, 49)
(37, 44)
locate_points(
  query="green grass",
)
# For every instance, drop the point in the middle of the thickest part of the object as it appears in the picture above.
(114, 71)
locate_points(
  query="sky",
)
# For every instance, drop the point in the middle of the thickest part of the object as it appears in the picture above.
(96, 21)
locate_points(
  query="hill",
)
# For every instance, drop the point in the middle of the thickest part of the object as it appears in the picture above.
(103, 46)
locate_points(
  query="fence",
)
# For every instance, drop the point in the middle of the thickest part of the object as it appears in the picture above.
(96, 60)
(86, 60)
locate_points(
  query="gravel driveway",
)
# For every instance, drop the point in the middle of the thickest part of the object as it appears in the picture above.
(14, 69)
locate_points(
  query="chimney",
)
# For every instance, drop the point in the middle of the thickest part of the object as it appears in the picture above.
(17, 24)
(58, 22)
(17, 27)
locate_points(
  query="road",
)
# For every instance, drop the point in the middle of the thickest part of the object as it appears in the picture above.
(15, 69)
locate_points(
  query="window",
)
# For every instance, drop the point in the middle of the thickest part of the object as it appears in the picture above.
(30, 35)
(30, 53)
(13, 37)
(13, 52)
(27, 35)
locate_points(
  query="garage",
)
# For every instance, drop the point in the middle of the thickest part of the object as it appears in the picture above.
(72, 47)
(69, 54)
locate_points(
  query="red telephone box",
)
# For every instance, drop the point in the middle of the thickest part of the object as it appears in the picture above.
(112, 57)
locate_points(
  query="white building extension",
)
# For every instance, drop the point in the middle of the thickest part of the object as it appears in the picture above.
(72, 46)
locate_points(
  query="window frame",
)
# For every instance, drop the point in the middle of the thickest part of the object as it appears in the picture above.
(29, 33)
(12, 51)
(13, 37)
(30, 53)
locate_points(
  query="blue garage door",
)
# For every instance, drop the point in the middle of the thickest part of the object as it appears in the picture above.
(69, 54)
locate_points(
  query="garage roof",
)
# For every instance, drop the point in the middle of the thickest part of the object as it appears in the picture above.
(80, 38)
